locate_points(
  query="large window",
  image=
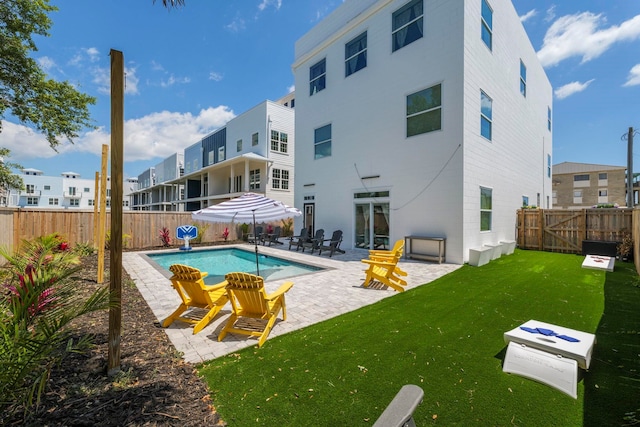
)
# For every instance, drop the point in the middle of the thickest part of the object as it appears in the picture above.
(254, 139)
(53, 201)
(280, 179)
(424, 111)
(31, 188)
(254, 179)
(485, 209)
(407, 24)
(581, 177)
(322, 142)
(239, 145)
(317, 77)
(279, 141)
(355, 54)
(487, 24)
(32, 201)
(486, 116)
(523, 79)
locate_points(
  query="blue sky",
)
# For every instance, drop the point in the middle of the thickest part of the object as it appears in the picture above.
(192, 69)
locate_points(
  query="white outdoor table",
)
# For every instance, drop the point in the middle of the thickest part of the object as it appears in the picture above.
(599, 262)
(548, 359)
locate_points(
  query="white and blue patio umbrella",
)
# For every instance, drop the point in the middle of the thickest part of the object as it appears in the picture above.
(244, 209)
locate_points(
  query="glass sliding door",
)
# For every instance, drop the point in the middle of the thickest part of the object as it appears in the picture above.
(371, 218)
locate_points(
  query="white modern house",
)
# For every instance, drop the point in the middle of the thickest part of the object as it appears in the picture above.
(253, 152)
(66, 191)
(426, 118)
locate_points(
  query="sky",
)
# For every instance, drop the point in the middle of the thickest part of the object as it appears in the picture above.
(192, 69)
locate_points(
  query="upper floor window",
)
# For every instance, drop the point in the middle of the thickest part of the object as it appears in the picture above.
(254, 139)
(355, 54)
(47, 187)
(87, 189)
(407, 24)
(525, 201)
(239, 145)
(317, 77)
(487, 24)
(548, 165)
(485, 208)
(583, 177)
(486, 116)
(279, 141)
(31, 188)
(280, 179)
(424, 111)
(549, 118)
(523, 79)
(322, 142)
(603, 175)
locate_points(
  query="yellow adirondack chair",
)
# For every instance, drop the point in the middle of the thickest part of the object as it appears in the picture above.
(187, 281)
(383, 268)
(250, 300)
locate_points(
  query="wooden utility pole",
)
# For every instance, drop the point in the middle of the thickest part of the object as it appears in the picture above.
(115, 254)
(102, 209)
(630, 168)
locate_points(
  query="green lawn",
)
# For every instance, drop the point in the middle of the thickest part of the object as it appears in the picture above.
(447, 337)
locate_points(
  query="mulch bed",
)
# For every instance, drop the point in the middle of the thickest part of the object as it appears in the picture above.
(154, 387)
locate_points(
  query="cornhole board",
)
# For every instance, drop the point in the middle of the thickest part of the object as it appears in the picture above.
(599, 262)
(548, 359)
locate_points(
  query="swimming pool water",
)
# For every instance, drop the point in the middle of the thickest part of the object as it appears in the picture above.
(218, 262)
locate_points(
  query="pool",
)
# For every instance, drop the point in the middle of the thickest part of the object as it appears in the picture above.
(218, 262)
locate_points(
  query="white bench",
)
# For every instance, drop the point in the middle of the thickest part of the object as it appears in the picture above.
(508, 246)
(497, 251)
(480, 256)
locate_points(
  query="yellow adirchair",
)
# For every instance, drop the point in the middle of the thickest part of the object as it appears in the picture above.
(250, 300)
(189, 283)
(383, 268)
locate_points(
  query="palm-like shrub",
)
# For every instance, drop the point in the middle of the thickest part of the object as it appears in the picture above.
(38, 300)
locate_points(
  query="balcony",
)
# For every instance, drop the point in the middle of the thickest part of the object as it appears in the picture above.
(72, 195)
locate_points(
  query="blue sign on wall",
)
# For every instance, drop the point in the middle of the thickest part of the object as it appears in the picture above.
(187, 232)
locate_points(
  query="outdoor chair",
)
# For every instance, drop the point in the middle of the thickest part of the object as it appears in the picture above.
(332, 245)
(189, 284)
(399, 413)
(384, 255)
(315, 242)
(299, 239)
(385, 270)
(273, 237)
(249, 300)
(256, 236)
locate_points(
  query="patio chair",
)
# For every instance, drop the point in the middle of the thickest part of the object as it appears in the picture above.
(315, 242)
(384, 255)
(249, 300)
(256, 236)
(299, 239)
(189, 284)
(399, 413)
(333, 244)
(273, 237)
(385, 270)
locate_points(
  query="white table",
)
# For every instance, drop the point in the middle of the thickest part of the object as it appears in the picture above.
(599, 262)
(546, 358)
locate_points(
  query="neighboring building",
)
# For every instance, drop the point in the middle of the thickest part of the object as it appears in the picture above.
(252, 152)
(67, 191)
(428, 118)
(582, 185)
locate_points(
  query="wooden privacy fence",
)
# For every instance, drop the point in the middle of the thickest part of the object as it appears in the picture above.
(561, 230)
(141, 229)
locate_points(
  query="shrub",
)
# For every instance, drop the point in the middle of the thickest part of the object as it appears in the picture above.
(287, 227)
(37, 302)
(126, 238)
(165, 236)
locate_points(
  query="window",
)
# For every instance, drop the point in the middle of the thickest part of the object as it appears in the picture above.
(317, 77)
(355, 54)
(72, 191)
(254, 139)
(548, 165)
(486, 116)
(279, 141)
(487, 24)
(424, 111)
(407, 24)
(75, 202)
(30, 188)
(602, 193)
(87, 189)
(584, 177)
(53, 202)
(280, 179)
(254, 179)
(602, 175)
(91, 202)
(32, 201)
(525, 201)
(322, 142)
(549, 118)
(523, 79)
(485, 209)
(239, 145)
(47, 187)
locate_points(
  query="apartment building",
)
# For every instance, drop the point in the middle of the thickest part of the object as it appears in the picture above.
(420, 117)
(584, 185)
(252, 152)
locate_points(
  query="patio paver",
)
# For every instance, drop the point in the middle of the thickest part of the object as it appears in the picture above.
(315, 297)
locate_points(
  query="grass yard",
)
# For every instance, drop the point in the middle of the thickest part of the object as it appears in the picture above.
(447, 337)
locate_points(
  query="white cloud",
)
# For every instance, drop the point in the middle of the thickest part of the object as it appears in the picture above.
(291, 88)
(93, 54)
(580, 35)
(528, 15)
(216, 77)
(172, 80)
(155, 135)
(634, 76)
(46, 63)
(569, 89)
(266, 3)
(550, 14)
(236, 25)
(102, 78)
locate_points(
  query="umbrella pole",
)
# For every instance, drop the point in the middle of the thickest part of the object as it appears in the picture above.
(255, 242)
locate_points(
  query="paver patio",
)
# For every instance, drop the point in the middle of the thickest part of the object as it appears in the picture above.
(315, 297)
